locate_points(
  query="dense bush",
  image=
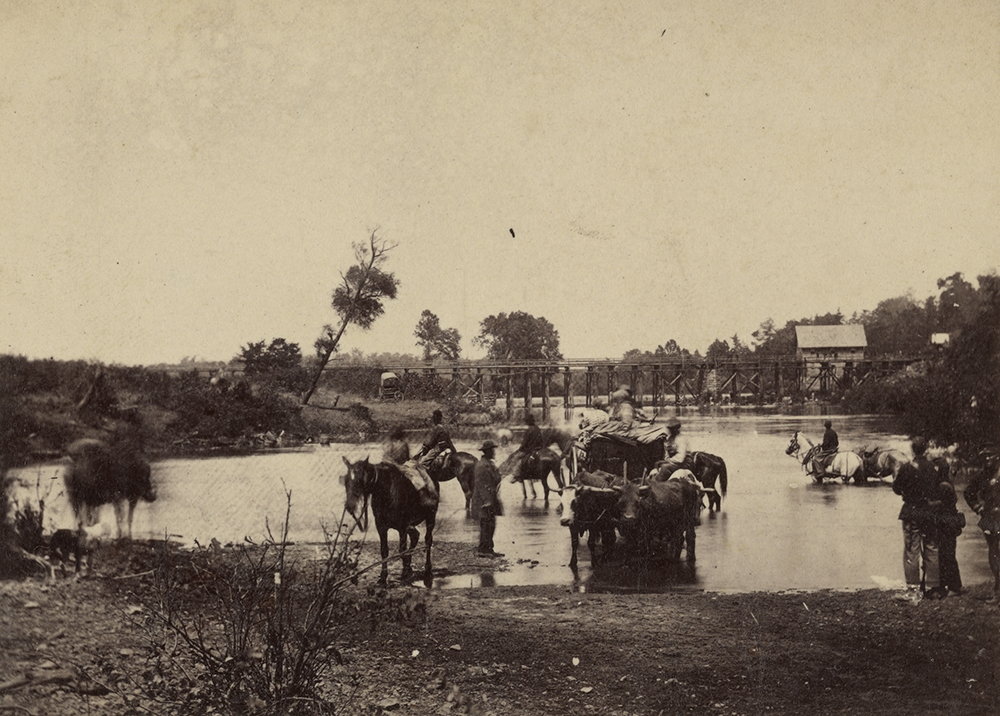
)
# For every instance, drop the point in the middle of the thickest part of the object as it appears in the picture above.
(957, 400)
(21, 376)
(207, 411)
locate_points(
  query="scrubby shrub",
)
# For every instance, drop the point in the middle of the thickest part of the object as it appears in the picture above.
(268, 626)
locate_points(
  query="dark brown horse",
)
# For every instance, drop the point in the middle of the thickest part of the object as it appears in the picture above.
(98, 474)
(536, 467)
(459, 465)
(707, 469)
(710, 469)
(395, 506)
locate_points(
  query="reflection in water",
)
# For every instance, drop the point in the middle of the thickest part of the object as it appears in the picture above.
(777, 529)
(615, 577)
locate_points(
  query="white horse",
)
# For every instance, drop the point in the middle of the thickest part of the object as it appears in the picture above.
(845, 465)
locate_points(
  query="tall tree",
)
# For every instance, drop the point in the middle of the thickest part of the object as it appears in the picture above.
(719, 350)
(670, 349)
(357, 300)
(437, 341)
(518, 336)
(896, 326)
(959, 303)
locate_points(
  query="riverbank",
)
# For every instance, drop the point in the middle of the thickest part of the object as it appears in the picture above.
(89, 647)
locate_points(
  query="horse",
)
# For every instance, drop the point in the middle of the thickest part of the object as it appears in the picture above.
(537, 466)
(98, 474)
(708, 469)
(705, 467)
(845, 465)
(395, 506)
(459, 465)
(557, 436)
(881, 463)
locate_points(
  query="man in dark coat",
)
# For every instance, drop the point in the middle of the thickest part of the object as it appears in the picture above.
(397, 452)
(830, 441)
(438, 440)
(532, 442)
(918, 483)
(485, 504)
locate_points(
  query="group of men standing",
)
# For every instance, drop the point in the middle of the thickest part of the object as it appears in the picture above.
(931, 525)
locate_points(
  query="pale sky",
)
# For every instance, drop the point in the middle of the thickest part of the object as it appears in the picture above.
(182, 178)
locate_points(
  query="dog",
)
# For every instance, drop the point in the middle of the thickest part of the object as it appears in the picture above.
(66, 544)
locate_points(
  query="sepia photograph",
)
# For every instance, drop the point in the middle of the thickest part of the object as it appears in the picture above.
(534, 358)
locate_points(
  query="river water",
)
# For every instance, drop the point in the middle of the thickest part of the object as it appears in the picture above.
(777, 530)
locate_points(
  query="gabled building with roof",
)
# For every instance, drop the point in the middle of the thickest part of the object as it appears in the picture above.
(831, 343)
(827, 351)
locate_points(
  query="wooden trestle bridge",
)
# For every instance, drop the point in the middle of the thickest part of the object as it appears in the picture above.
(566, 384)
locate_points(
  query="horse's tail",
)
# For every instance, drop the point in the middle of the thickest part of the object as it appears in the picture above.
(723, 477)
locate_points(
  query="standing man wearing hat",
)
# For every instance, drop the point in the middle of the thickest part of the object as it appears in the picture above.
(485, 504)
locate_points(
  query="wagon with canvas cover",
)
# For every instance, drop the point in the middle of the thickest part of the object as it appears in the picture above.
(390, 387)
(630, 452)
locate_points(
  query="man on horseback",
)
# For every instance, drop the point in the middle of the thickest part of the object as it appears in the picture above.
(432, 453)
(827, 450)
(531, 443)
(417, 471)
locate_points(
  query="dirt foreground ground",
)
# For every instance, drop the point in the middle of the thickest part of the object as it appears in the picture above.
(82, 647)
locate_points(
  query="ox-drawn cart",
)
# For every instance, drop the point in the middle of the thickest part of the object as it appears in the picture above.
(627, 452)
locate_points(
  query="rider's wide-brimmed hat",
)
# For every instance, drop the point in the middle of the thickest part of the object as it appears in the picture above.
(488, 445)
(673, 422)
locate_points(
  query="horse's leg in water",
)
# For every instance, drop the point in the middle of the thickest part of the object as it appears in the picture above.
(131, 511)
(383, 543)
(120, 518)
(993, 547)
(428, 541)
(404, 554)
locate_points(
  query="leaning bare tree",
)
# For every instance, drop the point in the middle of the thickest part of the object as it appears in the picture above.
(358, 299)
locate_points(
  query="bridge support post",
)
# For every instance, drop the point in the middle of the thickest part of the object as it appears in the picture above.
(527, 391)
(656, 389)
(545, 394)
(567, 395)
(589, 399)
(510, 394)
